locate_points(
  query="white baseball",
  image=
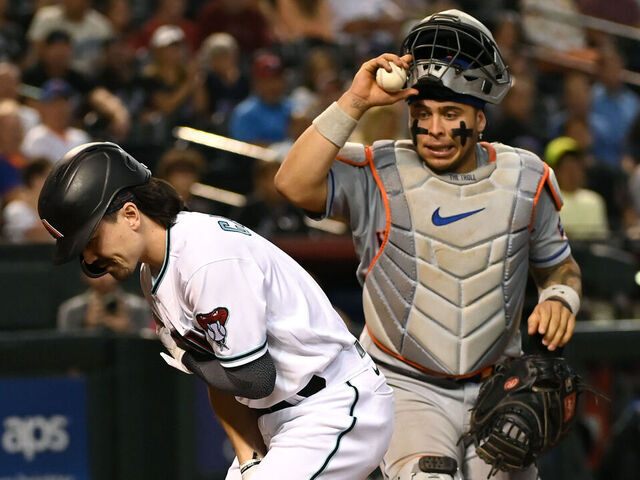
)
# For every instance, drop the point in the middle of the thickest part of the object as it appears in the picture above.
(392, 81)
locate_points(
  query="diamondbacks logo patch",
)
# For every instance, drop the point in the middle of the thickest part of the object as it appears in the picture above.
(214, 323)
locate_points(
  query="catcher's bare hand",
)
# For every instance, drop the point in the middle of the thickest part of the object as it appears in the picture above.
(554, 321)
(365, 92)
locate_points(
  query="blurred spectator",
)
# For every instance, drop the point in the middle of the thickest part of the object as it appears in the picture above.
(577, 127)
(575, 103)
(11, 159)
(119, 74)
(509, 36)
(87, 27)
(242, 19)
(20, 220)
(182, 168)
(120, 15)
(12, 40)
(173, 83)
(264, 117)
(10, 90)
(545, 29)
(226, 81)
(55, 63)
(320, 83)
(617, 104)
(171, 12)
(380, 123)
(54, 136)
(372, 27)
(583, 214)
(104, 306)
(517, 121)
(267, 212)
(301, 21)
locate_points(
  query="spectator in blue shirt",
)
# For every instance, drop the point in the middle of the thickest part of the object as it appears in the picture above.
(612, 100)
(263, 118)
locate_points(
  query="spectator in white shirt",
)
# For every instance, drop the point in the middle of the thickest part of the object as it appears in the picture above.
(20, 221)
(87, 27)
(55, 135)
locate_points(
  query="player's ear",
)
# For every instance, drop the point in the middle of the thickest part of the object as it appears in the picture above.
(481, 120)
(131, 214)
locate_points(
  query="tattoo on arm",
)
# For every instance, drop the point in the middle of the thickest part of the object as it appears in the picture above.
(565, 273)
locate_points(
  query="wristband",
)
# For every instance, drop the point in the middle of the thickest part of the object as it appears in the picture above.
(563, 293)
(246, 466)
(335, 125)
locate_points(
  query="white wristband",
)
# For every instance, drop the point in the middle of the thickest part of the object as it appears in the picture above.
(335, 125)
(565, 292)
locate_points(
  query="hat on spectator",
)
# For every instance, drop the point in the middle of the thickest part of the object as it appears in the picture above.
(55, 88)
(267, 65)
(166, 35)
(55, 36)
(558, 148)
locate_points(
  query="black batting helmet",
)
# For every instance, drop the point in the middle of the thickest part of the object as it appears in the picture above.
(79, 189)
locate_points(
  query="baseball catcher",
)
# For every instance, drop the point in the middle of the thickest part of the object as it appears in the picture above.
(523, 410)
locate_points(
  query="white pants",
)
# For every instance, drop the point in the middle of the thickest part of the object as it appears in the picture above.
(341, 432)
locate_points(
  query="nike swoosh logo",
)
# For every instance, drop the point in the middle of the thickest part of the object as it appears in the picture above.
(439, 221)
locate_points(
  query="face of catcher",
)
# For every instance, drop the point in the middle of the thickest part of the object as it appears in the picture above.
(443, 148)
(116, 245)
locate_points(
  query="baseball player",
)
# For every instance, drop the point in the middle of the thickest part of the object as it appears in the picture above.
(446, 229)
(232, 308)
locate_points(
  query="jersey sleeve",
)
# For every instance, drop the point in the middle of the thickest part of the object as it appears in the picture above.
(350, 185)
(549, 243)
(228, 302)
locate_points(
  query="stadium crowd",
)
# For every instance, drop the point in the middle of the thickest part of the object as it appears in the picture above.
(259, 71)
(73, 71)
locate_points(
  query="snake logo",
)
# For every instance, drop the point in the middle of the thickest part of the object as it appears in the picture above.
(214, 323)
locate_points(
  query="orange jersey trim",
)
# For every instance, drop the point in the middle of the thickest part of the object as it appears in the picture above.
(484, 371)
(491, 150)
(544, 181)
(554, 194)
(351, 162)
(369, 156)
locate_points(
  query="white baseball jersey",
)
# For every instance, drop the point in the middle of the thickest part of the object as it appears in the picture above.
(233, 293)
(238, 295)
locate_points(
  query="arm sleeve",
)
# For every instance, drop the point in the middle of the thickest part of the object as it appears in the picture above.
(255, 379)
(348, 183)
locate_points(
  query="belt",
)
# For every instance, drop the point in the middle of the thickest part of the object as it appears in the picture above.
(440, 381)
(314, 386)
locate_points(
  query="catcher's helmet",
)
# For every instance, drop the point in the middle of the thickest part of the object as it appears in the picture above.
(454, 50)
(79, 189)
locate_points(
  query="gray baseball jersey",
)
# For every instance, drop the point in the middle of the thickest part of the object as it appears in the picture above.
(443, 263)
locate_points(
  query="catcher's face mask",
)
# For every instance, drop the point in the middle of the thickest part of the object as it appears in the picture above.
(456, 51)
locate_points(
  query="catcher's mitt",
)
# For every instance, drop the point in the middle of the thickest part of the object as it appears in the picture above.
(523, 409)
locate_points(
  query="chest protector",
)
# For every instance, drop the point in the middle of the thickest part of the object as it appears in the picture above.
(446, 290)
